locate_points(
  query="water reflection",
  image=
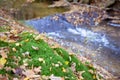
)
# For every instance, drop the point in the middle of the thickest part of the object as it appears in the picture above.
(21, 10)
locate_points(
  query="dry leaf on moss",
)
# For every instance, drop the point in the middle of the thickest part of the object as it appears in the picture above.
(35, 48)
(52, 77)
(30, 74)
(2, 62)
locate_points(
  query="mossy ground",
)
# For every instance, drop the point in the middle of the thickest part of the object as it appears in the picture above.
(30, 53)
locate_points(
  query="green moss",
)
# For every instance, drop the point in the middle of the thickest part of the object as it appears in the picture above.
(2, 71)
(79, 66)
(3, 44)
(50, 57)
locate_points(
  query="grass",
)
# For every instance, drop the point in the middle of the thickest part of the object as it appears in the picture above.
(37, 53)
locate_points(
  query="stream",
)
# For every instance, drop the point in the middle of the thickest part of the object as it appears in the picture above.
(101, 43)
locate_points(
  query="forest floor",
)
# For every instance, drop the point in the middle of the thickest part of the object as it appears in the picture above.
(27, 55)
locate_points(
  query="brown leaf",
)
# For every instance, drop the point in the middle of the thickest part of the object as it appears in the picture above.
(3, 53)
(37, 69)
(2, 77)
(30, 74)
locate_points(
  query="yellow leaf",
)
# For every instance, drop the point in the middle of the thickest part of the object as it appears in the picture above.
(4, 37)
(63, 69)
(2, 61)
(14, 31)
(66, 62)
(90, 65)
(26, 78)
(94, 77)
(55, 46)
(26, 40)
(38, 37)
(71, 54)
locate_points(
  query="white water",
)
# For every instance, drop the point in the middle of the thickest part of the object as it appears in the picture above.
(91, 36)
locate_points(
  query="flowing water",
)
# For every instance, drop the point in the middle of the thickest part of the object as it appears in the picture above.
(101, 43)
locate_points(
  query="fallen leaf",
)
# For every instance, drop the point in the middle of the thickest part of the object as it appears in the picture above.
(55, 46)
(26, 78)
(63, 69)
(80, 75)
(70, 58)
(11, 41)
(56, 65)
(26, 53)
(45, 77)
(41, 59)
(71, 54)
(91, 71)
(66, 62)
(40, 36)
(25, 62)
(37, 69)
(3, 54)
(73, 67)
(2, 62)
(3, 37)
(30, 74)
(14, 31)
(94, 77)
(17, 44)
(35, 48)
(14, 37)
(14, 49)
(26, 40)
(15, 79)
(52, 77)
(3, 78)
